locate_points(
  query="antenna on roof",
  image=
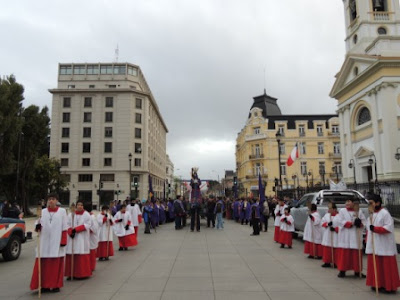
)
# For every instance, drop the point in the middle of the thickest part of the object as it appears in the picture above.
(265, 82)
(116, 53)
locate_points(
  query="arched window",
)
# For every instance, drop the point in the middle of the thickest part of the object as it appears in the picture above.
(382, 31)
(353, 10)
(363, 116)
(379, 5)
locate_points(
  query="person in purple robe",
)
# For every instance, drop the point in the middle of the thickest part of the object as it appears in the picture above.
(255, 218)
(155, 217)
(171, 211)
(162, 213)
(244, 211)
(236, 215)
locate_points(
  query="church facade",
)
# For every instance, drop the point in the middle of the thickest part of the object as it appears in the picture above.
(367, 89)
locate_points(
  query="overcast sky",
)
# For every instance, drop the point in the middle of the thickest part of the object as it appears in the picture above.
(203, 59)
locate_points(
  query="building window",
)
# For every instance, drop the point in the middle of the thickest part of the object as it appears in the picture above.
(256, 130)
(107, 161)
(67, 102)
(302, 131)
(138, 148)
(108, 116)
(336, 148)
(108, 132)
(87, 132)
(355, 71)
(281, 130)
(138, 103)
(282, 148)
(320, 130)
(107, 177)
(283, 168)
(120, 70)
(363, 116)
(337, 168)
(303, 167)
(71, 86)
(87, 117)
(109, 101)
(64, 162)
(320, 148)
(132, 71)
(91, 86)
(85, 177)
(302, 147)
(79, 70)
(64, 147)
(321, 168)
(65, 132)
(85, 162)
(86, 147)
(138, 118)
(87, 102)
(92, 70)
(138, 133)
(335, 129)
(107, 147)
(382, 31)
(138, 162)
(257, 151)
(112, 86)
(106, 69)
(66, 117)
(65, 70)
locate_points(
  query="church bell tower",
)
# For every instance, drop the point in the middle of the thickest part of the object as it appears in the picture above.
(369, 24)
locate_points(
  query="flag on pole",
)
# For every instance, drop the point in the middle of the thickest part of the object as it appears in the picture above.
(293, 156)
(151, 192)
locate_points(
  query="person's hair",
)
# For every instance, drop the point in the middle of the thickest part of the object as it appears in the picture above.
(104, 207)
(376, 198)
(313, 207)
(52, 195)
(333, 205)
(287, 209)
(77, 202)
(123, 206)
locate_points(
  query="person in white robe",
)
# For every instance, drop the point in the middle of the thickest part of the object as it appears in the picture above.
(124, 229)
(105, 248)
(279, 211)
(313, 234)
(330, 231)
(52, 226)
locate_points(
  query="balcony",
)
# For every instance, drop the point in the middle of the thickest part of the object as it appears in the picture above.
(330, 133)
(255, 137)
(335, 155)
(381, 16)
(256, 156)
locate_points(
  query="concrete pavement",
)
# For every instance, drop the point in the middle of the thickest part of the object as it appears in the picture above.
(211, 264)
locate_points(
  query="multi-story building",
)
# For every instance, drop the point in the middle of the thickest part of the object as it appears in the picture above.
(170, 186)
(367, 89)
(108, 132)
(317, 139)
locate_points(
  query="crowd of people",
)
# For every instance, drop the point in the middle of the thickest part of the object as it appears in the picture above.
(70, 244)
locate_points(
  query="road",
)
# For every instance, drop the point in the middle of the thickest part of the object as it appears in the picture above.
(211, 264)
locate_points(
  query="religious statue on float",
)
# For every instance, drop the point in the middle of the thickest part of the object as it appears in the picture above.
(195, 183)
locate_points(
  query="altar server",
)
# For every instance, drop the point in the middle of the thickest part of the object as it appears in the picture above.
(123, 228)
(279, 212)
(94, 239)
(105, 248)
(330, 231)
(313, 234)
(286, 229)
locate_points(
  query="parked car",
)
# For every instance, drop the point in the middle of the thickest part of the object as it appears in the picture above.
(12, 235)
(321, 199)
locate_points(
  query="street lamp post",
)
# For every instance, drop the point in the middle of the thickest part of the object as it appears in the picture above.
(397, 154)
(373, 161)
(130, 174)
(294, 184)
(312, 178)
(352, 165)
(335, 169)
(286, 182)
(322, 174)
(306, 176)
(278, 139)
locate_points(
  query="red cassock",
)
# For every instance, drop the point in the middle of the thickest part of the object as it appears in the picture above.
(127, 240)
(385, 250)
(313, 249)
(286, 237)
(286, 230)
(53, 238)
(102, 249)
(82, 266)
(276, 233)
(105, 236)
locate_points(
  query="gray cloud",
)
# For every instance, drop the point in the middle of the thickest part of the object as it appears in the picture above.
(204, 60)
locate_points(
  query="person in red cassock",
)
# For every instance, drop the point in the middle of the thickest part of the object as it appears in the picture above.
(330, 231)
(79, 223)
(53, 239)
(123, 228)
(384, 247)
(104, 219)
(94, 239)
(313, 234)
(287, 229)
(349, 221)
(279, 211)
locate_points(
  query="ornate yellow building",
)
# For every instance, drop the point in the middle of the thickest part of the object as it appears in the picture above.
(317, 138)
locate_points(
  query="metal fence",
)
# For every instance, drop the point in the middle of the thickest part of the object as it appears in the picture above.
(389, 191)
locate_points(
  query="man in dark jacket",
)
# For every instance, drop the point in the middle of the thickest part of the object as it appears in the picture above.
(179, 212)
(210, 212)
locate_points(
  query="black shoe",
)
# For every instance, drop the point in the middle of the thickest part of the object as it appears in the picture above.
(126, 249)
(106, 258)
(326, 265)
(44, 290)
(318, 257)
(290, 247)
(69, 278)
(341, 274)
(282, 246)
(357, 274)
(310, 256)
(55, 290)
(120, 249)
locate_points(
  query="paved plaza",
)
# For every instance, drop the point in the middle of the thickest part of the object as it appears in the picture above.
(211, 264)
